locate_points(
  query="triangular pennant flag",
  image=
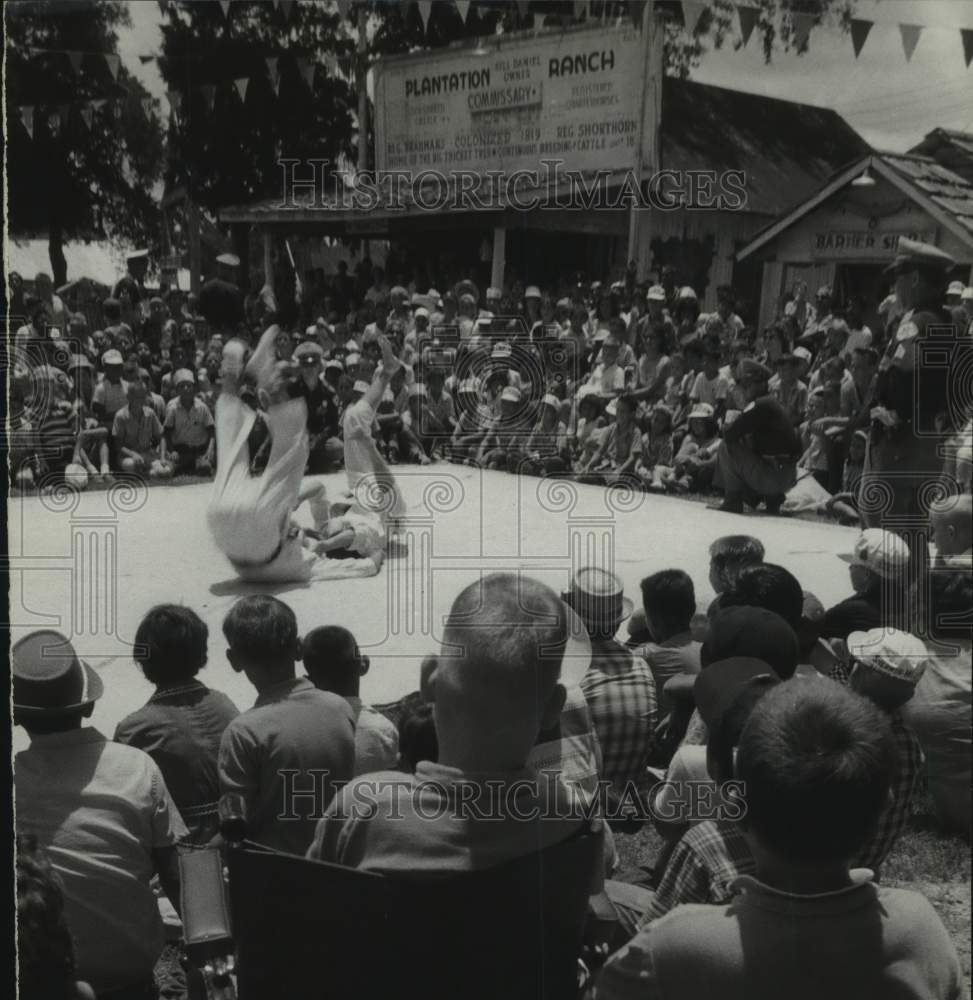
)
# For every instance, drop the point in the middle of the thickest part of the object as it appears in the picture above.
(174, 97)
(425, 9)
(225, 5)
(97, 104)
(748, 21)
(113, 63)
(75, 59)
(801, 25)
(27, 117)
(343, 7)
(271, 67)
(209, 94)
(580, 9)
(967, 35)
(463, 9)
(148, 106)
(859, 32)
(241, 85)
(910, 38)
(87, 115)
(306, 68)
(692, 11)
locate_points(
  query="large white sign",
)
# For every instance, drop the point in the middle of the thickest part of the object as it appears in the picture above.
(572, 96)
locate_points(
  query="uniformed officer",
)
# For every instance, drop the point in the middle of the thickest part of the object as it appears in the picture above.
(220, 298)
(911, 415)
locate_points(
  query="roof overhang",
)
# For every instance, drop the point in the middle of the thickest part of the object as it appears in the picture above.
(877, 164)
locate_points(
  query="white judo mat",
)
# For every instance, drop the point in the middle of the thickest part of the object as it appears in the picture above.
(91, 565)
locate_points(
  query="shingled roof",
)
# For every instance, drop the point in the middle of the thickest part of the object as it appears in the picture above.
(787, 150)
(951, 192)
(950, 148)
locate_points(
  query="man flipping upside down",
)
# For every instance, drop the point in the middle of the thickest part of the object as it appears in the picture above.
(250, 516)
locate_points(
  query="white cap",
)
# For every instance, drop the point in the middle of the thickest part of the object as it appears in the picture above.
(510, 395)
(551, 400)
(656, 294)
(468, 385)
(883, 552)
(501, 350)
(352, 359)
(533, 292)
(612, 408)
(351, 345)
(417, 389)
(702, 410)
(360, 386)
(229, 259)
(183, 375)
(803, 353)
(955, 288)
(891, 652)
(687, 293)
(421, 311)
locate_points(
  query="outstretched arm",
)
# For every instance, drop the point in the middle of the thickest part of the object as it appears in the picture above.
(390, 365)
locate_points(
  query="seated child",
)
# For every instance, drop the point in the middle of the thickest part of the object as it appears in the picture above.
(843, 506)
(815, 764)
(654, 466)
(728, 555)
(695, 462)
(181, 725)
(334, 663)
(137, 436)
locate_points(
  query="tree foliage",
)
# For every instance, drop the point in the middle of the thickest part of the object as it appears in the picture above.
(229, 153)
(69, 180)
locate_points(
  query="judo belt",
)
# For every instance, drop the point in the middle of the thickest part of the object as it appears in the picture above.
(258, 563)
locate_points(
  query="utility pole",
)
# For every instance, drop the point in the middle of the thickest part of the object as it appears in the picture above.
(649, 114)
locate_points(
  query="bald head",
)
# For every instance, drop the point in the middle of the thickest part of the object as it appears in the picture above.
(951, 524)
(495, 684)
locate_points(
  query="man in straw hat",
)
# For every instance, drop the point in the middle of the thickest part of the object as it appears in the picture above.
(102, 813)
(618, 685)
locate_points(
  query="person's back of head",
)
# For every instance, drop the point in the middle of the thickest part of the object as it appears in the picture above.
(333, 661)
(769, 586)
(262, 635)
(417, 736)
(170, 644)
(45, 953)
(669, 602)
(495, 682)
(751, 632)
(816, 761)
(730, 554)
(725, 730)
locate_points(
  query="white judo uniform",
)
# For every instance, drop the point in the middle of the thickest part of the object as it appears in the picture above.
(250, 517)
(366, 467)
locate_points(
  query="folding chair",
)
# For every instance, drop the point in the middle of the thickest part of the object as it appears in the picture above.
(307, 929)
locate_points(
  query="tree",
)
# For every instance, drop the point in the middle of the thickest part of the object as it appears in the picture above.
(69, 179)
(225, 150)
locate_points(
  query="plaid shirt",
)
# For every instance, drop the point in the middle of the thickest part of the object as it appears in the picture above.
(621, 695)
(906, 782)
(702, 868)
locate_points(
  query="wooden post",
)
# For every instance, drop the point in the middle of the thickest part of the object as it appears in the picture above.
(499, 257)
(649, 118)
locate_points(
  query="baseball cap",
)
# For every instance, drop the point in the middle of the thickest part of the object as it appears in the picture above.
(955, 288)
(334, 363)
(803, 353)
(510, 395)
(421, 311)
(892, 652)
(717, 687)
(501, 350)
(752, 632)
(703, 410)
(112, 357)
(551, 400)
(824, 290)
(468, 385)
(881, 551)
(532, 292)
(417, 389)
(183, 375)
(80, 361)
(910, 254)
(656, 294)
(351, 345)
(687, 293)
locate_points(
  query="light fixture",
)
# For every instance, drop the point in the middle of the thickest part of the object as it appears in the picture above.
(864, 180)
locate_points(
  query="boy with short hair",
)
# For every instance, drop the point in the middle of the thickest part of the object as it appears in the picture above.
(137, 435)
(727, 556)
(710, 386)
(334, 663)
(181, 724)
(286, 756)
(815, 765)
